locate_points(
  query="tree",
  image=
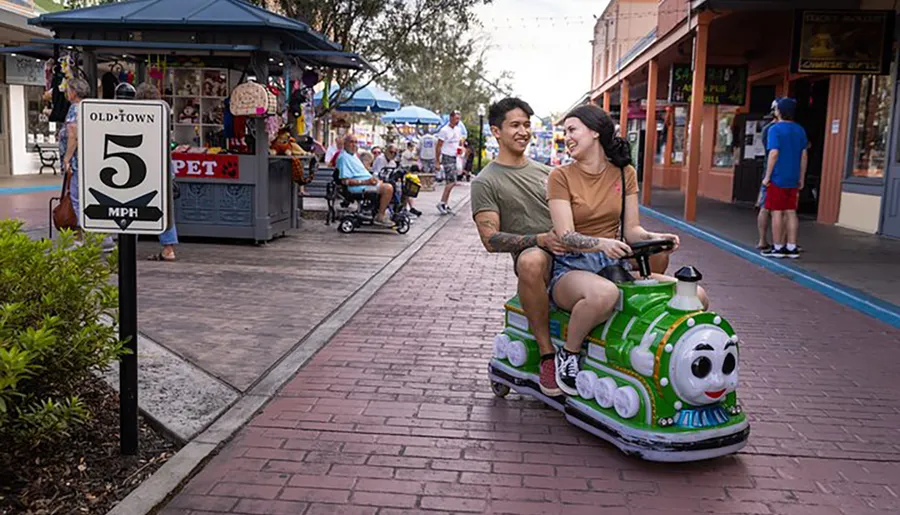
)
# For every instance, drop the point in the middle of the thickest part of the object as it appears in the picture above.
(384, 32)
(451, 75)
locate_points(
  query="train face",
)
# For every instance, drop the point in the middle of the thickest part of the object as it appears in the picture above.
(658, 379)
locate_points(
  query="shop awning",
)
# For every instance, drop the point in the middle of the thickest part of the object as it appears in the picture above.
(29, 50)
(331, 58)
(146, 45)
(216, 15)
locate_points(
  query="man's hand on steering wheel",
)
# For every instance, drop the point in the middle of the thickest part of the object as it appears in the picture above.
(665, 236)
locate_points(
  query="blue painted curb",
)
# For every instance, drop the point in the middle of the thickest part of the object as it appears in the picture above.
(850, 297)
(29, 189)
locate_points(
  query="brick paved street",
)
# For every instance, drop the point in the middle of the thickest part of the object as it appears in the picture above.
(395, 415)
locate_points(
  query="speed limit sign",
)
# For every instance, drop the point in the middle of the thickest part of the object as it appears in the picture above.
(123, 163)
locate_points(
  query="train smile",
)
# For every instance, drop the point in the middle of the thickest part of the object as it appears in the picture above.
(715, 395)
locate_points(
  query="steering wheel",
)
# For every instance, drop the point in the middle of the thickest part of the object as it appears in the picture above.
(642, 250)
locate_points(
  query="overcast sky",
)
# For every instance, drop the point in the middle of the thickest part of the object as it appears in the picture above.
(546, 45)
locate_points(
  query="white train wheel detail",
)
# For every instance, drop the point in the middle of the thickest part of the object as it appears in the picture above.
(584, 383)
(605, 391)
(517, 353)
(627, 402)
(500, 343)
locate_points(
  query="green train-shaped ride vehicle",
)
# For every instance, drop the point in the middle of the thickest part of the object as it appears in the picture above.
(658, 379)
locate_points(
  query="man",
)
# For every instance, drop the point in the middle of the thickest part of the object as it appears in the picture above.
(762, 219)
(427, 144)
(448, 146)
(785, 173)
(358, 180)
(388, 159)
(509, 204)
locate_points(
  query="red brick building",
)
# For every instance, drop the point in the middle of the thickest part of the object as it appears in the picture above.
(838, 58)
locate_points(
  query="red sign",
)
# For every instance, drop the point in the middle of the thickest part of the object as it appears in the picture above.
(206, 166)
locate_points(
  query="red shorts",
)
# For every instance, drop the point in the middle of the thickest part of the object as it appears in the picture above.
(781, 199)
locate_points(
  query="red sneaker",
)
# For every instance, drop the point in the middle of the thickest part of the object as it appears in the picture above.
(548, 378)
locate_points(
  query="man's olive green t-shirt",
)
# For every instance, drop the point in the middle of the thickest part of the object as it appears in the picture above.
(519, 195)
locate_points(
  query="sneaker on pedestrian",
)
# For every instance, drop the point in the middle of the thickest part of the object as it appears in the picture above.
(567, 369)
(774, 252)
(415, 211)
(548, 376)
(448, 209)
(108, 244)
(790, 253)
(383, 222)
(442, 208)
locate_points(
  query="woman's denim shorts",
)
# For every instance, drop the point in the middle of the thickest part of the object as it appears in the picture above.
(592, 262)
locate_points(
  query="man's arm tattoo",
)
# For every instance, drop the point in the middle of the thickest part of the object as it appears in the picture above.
(504, 241)
(575, 240)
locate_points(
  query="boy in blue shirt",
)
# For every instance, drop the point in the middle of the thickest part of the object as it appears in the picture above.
(785, 172)
(354, 175)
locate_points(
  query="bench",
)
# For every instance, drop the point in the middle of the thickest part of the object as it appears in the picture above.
(322, 186)
(49, 154)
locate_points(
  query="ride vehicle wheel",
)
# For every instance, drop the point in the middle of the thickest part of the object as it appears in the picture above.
(347, 225)
(402, 225)
(499, 389)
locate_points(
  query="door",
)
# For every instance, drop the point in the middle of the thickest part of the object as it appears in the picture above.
(890, 209)
(812, 108)
(5, 165)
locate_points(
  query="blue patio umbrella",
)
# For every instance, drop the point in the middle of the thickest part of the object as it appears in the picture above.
(412, 114)
(369, 99)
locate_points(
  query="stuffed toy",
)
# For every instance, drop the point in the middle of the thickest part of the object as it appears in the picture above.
(284, 144)
(188, 114)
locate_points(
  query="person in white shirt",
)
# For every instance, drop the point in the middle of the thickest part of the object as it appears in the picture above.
(408, 157)
(387, 159)
(427, 144)
(448, 149)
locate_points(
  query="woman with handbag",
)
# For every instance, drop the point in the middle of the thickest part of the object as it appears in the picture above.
(594, 207)
(65, 216)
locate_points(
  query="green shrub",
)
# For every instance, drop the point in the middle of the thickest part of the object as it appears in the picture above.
(54, 299)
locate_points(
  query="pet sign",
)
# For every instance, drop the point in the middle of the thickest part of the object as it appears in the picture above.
(123, 163)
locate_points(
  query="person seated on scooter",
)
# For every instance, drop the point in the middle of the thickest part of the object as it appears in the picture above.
(585, 200)
(388, 159)
(509, 205)
(358, 180)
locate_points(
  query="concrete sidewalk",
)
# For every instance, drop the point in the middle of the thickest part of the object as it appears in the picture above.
(865, 262)
(395, 415)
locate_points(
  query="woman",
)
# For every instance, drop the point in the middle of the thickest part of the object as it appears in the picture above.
(169, 238)
(585, 200)
(68, 139)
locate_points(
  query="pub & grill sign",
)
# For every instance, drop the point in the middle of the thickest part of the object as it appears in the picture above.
(843, 42)
(725, 85)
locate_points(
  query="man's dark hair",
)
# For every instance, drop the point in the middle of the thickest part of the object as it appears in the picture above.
(788, 116)
(497, 111)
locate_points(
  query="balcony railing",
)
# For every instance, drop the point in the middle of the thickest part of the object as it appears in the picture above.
(671, 13)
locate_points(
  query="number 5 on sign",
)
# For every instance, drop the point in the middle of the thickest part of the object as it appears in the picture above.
(123, 166)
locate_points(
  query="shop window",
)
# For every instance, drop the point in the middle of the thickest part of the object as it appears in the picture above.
(39, 129)
(723, 152)
(661, 137)
(874, 98)
(679, 135)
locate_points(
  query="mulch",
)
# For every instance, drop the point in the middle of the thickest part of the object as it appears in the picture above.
(82, 474)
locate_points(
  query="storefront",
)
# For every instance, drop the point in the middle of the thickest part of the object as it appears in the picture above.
(22, 122)
(842, 70)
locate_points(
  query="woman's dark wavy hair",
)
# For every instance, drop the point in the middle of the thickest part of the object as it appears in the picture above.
(617, 149)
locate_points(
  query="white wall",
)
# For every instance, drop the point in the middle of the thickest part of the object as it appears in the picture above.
(21, 161)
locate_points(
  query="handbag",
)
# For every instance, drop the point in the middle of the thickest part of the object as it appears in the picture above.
(250, 99)
(64, 216)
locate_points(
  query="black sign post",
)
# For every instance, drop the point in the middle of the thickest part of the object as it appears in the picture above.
(123, 153)
(128, 333)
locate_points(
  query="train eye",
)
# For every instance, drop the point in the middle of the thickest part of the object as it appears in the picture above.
(729, 364)
(701, 367)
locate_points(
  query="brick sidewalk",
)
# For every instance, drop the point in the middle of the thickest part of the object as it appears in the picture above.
(395, 416)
